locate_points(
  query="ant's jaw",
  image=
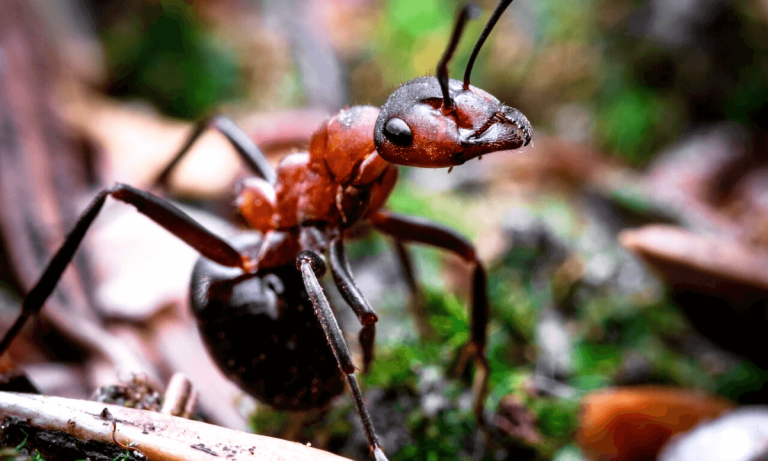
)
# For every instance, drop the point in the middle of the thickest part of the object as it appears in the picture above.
(507, 129)
(519, 123)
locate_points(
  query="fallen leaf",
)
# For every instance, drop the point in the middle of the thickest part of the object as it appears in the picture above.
(634, 423)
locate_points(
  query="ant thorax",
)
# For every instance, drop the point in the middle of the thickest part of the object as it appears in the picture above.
(341, 180)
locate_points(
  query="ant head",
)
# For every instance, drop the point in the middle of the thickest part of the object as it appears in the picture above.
(440, 122)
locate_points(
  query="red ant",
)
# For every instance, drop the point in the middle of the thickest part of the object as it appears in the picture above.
(269, 326)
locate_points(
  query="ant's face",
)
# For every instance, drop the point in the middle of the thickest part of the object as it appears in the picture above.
(415, 129)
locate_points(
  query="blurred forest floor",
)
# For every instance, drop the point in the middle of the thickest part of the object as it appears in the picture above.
(627, 248)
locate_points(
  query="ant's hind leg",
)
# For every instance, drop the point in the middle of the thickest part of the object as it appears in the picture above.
(311, 265)
(420, 230)
(246, 148)
(160, 211)
(418, 311)
(342, 275)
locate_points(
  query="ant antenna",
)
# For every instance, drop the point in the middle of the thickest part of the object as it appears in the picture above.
(503, 4)
(469, 11)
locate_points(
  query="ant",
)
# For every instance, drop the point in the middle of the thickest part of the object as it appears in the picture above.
(258, 302)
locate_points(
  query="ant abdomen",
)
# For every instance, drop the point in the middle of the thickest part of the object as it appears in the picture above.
(262, 332)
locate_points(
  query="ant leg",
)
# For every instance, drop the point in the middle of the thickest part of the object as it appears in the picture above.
(160, 211)
(311, 265)
(367, 337)
(415, 305)
(246, 148)
(415, 229)
(342, 275)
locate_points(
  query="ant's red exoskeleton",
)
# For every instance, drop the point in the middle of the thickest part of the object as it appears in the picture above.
(268, 325)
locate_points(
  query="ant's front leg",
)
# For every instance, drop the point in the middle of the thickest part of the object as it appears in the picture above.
(311, 265)
(163, 213)
(415, 229)
(247, 150)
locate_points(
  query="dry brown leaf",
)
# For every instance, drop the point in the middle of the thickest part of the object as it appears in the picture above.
(137, 142)
(704, 262)
(633, 423)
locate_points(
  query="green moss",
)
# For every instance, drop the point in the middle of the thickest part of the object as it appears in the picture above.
(444, 437)
(744, 383)
(266, 421)
(557, 417)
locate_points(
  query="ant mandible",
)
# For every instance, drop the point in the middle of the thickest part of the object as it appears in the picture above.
(269, 326)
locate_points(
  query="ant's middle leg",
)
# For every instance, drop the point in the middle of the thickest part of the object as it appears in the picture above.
(416, 229)
(162, 212)
(342, 275)
(311, 265)
(247, 150)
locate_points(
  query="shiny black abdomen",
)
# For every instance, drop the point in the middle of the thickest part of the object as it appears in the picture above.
(262, 332)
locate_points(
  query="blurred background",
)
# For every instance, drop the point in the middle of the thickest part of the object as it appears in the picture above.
(627, 248)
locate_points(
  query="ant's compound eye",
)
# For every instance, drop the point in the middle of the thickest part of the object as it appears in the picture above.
(397, 131)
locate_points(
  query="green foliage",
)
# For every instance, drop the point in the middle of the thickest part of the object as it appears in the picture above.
(744, 383)
(122, 457)
(514, 304)
(406, 28)
(265, 421)
(747, 104)
(16, 452)
(448, 316)
(158, 51)
(565, 21)
(444, 437)
(397, 364)
(366, 246)
(557, 417)
(596, 359)
(23, 442)
(408, 199)
(634, 122)
(395, 367)
(416, 19)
